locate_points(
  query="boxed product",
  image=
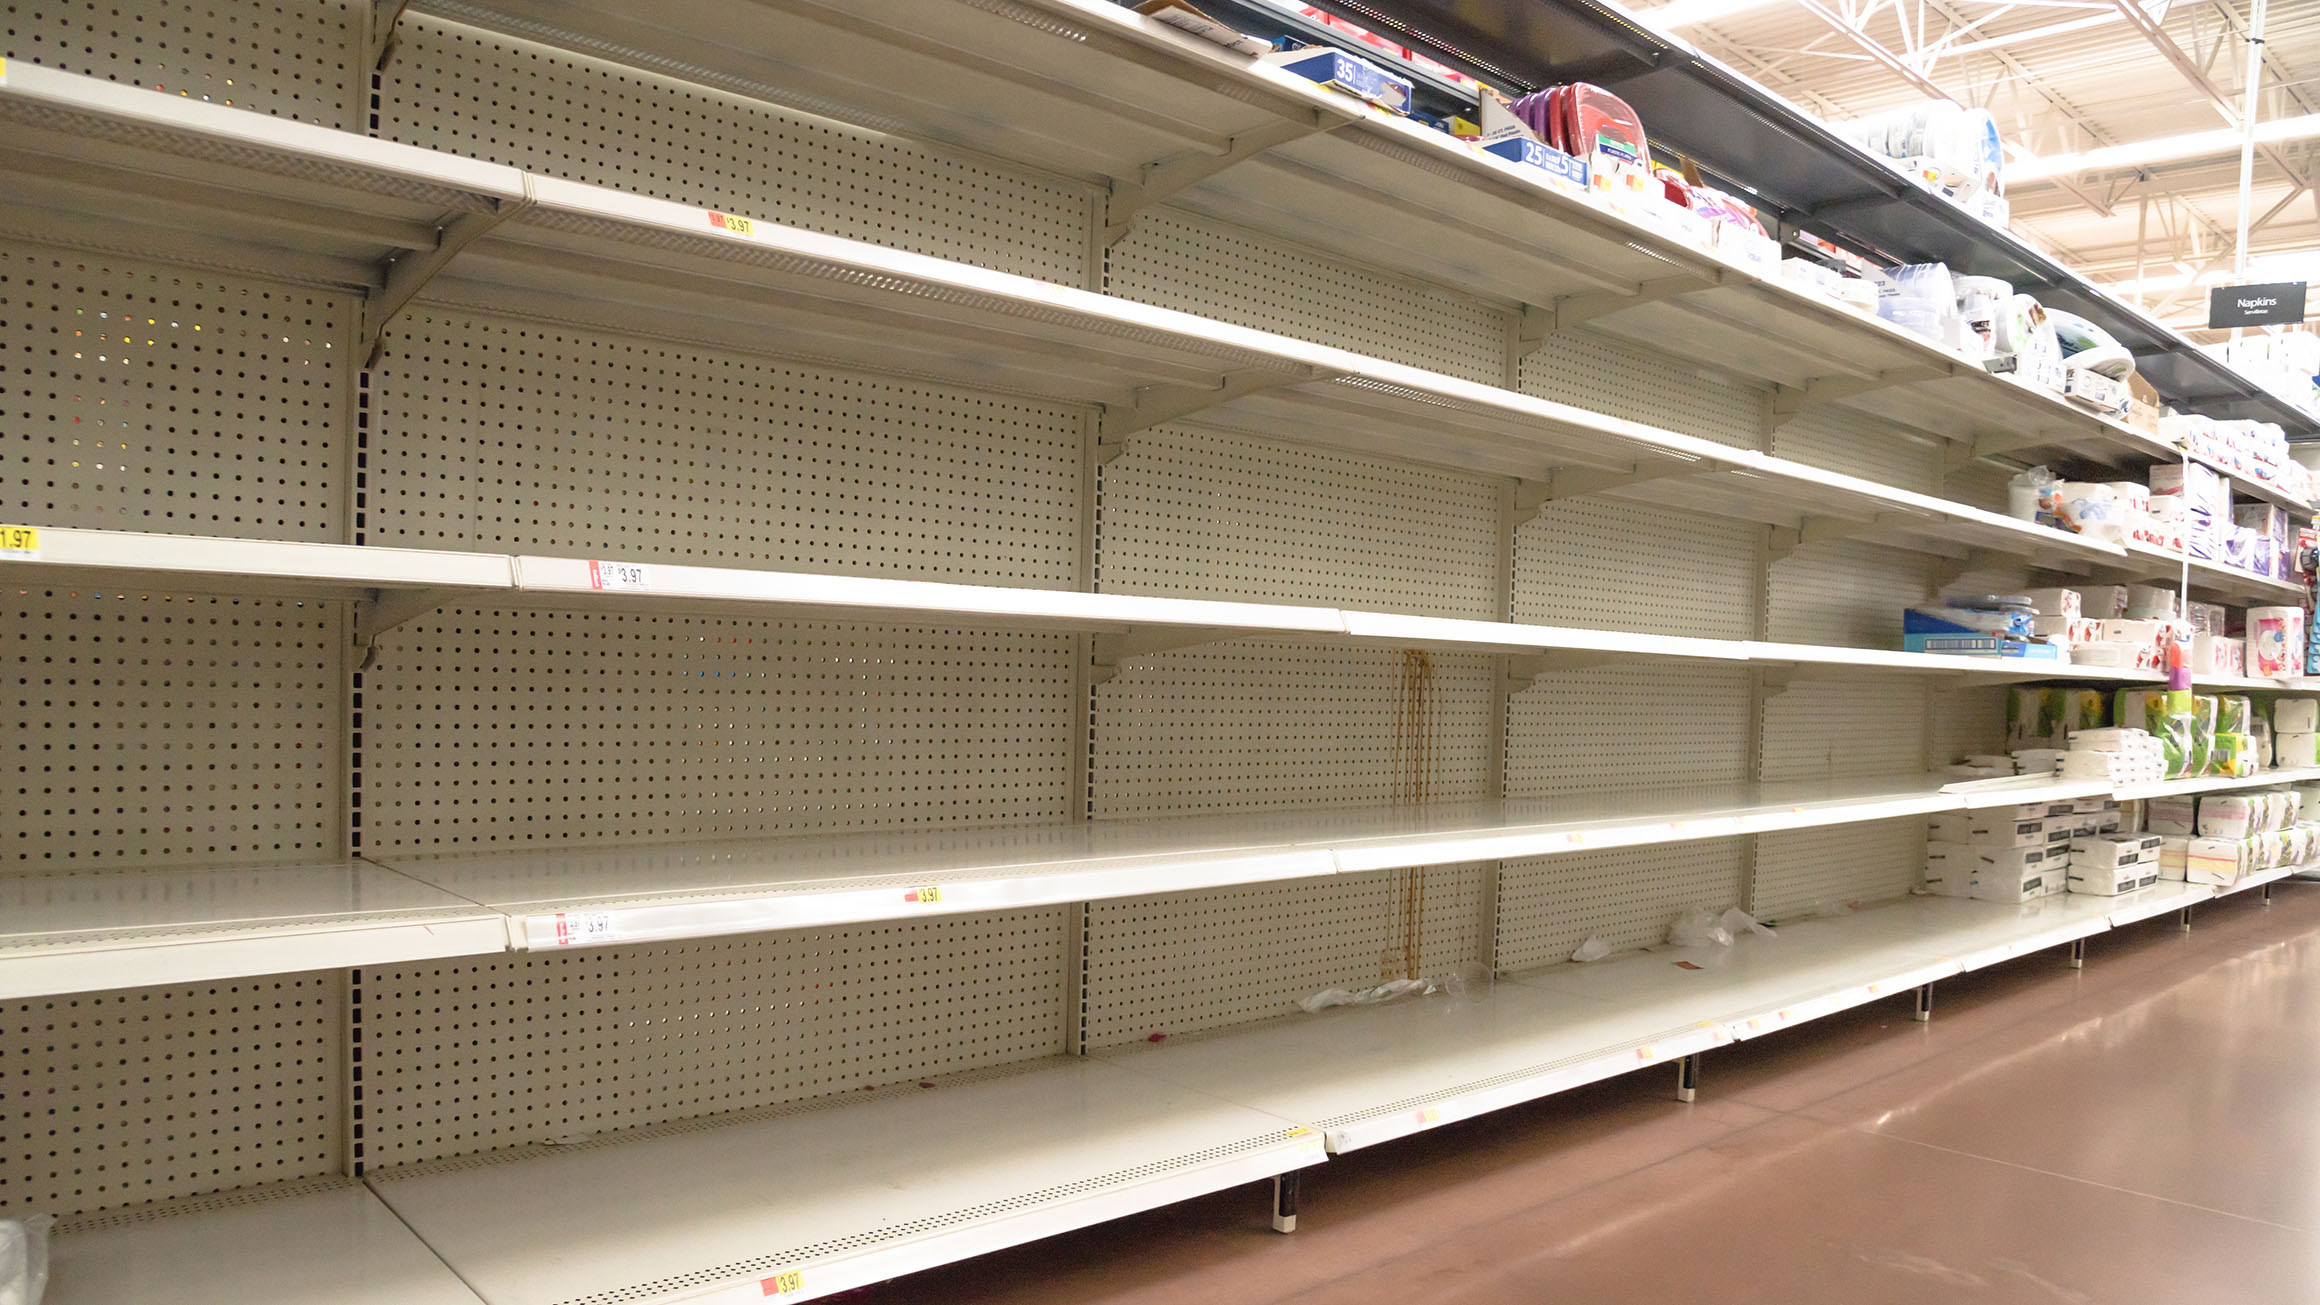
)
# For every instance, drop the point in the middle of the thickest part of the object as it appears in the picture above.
(2174, 856)
(1340, 71)
(2229, 815)
(1567, 172)
(2110, 881)
(1949, 869)
(2293, 750)
(2056, 602)
(2213, 860)
(2172, 815)
(2105, 852)
(2022, 886)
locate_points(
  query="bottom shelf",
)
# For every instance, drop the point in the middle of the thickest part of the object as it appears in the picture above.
(320, 1240)
(804, 1201)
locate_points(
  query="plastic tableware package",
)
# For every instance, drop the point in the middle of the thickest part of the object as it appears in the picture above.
(1601, 122)
(2090, 346)
(1979, 300)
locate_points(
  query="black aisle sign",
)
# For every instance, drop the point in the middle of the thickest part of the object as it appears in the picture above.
(2255, 305)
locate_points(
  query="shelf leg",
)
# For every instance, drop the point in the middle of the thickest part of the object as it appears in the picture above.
(1285, 1201)
(2078, 953)
(2183, 919)
(1688, 1078)
(2267, 894)
(1924, 1009)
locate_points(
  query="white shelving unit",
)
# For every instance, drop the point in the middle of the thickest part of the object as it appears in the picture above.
(727, 653)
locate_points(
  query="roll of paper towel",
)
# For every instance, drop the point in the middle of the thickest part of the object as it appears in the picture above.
(2275, 638)
(2296, 716)
(2293, 750)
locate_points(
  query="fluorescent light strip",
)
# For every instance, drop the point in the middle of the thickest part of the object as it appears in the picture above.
(1687, 13)
(2166, 149)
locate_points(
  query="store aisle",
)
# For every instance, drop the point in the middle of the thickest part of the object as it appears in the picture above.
(2144, 1130)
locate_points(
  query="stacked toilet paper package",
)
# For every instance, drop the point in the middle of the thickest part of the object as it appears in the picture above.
(2134, 627)
(2186, 508)
(2015, 853)
(2142, 736)
(2221, 838)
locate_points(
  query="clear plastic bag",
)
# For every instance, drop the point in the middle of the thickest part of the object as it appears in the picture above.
(1594, 949)
(24, 1259)
(1696, 926)
(1736, 922)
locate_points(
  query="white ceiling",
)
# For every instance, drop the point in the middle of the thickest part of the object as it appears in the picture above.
(2063, 76)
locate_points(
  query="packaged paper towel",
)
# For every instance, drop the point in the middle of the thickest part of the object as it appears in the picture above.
(2292, 750)
(2296, 715)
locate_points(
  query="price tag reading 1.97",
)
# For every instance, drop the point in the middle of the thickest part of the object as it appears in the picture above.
(731, 225)
(20, 542)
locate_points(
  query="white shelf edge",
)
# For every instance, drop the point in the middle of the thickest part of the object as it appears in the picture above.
(247, 565)
(160, 957)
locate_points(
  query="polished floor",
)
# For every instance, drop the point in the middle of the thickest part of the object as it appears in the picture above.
(2144, 1130)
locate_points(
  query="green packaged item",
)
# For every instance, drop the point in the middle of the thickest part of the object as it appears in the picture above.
(2234, 755)
(2203, 712)
(2078, 709)
(2032, 719)
(2173, 719)
(2234, 714)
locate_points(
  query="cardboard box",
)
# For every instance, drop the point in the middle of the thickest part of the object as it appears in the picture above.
(1340, 71)
(1566, 172)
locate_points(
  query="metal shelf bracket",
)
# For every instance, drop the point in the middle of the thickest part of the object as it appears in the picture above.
(1167, 176)
(1790, 402)
(408, 274)
(1575, 310)
(387, 608)
(1157, 405)
(1145, 641)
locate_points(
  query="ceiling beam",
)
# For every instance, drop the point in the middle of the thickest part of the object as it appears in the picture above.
(2140, 19)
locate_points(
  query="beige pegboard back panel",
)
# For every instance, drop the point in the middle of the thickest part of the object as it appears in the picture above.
(1805, 872)
(1847, 594)
(497, 435)
(1626, 566)
(498, 728)
(1965, 722)
(1845, 727)
(1856, 444)
(1624, 729)
(1197, 265)
(484, 94)
(155, 729)
(118, 1099)
(1254, 725)
(289, 58)
(1189, 962)
(1548, 905)
(147, 397)
(469, 1056)
(1604, 375)
(1197, 513)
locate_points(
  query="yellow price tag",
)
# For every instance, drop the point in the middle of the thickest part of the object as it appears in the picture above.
(925, 894)
(731, 225)
(19, 541)
(782, 1284)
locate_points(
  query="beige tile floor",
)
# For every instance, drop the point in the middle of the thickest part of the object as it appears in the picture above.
(2146, 1130)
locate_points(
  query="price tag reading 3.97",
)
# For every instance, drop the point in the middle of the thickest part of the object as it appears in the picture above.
(618, 575)
(731, 225)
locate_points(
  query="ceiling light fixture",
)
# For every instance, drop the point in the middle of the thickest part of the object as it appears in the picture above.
(1688, 13)
(2165, 149)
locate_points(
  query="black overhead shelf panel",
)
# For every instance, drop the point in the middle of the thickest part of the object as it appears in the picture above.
(1795, 168)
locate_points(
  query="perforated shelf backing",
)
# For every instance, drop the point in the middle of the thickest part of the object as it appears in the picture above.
(1176, 260)
(1803, 872)
(495, 728)
(1548, 905)
(288, 58)
(1253, 725)
(156, 730)
(483, 94)
(1621, 729)
(462, 1057)
(1591, 371)
(1964, 722)
(146, 397)
(504, 436)
(1827, 730)
(1206, 514)
(1846, 593)
(117, 1099)
(1189, 962)
(1859, 445)
(1628, 566)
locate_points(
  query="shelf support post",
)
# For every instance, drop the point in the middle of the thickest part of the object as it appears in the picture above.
(1924, 1011)
(2077, 954)
(1285, 1200)
(408, 274)
(2183, 920)
(1688, 1078)
(380, 19)
(1157, 181)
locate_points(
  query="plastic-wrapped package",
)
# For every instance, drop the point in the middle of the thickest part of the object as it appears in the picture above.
(1736, 922)
(1697, 926)
(1599, 122)
(24, 1259)
(2234, 714)
(1594, 949)
(2089, 346)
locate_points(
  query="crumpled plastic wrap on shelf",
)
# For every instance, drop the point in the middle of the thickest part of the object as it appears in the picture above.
(1736, 922)
(1594, 949)
(1697, 926)
(1454, 984)
(24, 1259)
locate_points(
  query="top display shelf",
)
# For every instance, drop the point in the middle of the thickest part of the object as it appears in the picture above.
(1093, 90)
(98, 162)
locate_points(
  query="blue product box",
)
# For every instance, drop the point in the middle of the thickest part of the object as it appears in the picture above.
(1356, 77)
(1980, 645)
(1546, 157)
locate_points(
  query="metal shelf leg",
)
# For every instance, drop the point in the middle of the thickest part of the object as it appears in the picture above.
(1285, 1201)
(1688, 1079)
